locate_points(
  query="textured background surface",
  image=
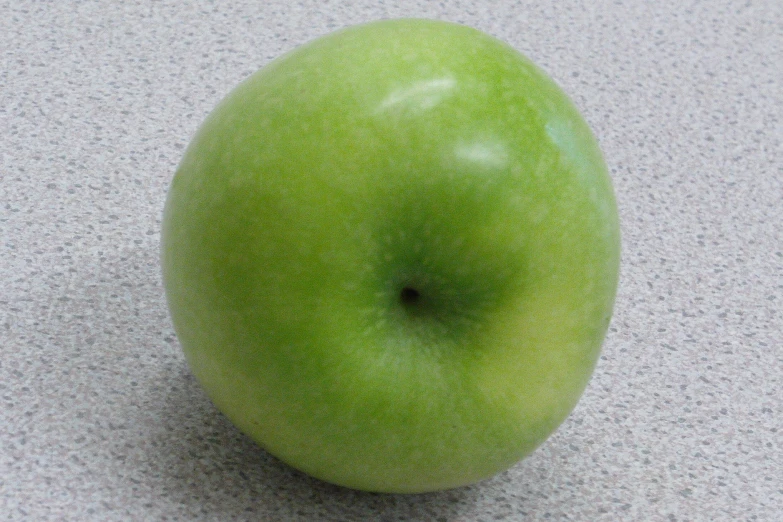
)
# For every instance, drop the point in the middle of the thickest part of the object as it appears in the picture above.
(99, 418)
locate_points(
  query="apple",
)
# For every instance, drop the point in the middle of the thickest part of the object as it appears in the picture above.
(391, 256)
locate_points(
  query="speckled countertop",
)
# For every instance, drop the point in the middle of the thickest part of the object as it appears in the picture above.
(99, 417)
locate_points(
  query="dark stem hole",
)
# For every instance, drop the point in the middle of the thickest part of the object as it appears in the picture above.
(409, 295)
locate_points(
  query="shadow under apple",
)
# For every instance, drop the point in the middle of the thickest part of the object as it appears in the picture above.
(210, 468)
(157, 448)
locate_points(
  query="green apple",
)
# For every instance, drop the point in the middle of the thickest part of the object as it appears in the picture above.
(391, 256)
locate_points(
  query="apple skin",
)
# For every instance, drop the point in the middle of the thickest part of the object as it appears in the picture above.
(391, 256)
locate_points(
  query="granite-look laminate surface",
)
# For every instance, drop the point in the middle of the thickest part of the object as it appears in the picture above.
(99, 416)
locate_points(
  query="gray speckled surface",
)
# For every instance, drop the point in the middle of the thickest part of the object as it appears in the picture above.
(99, 418)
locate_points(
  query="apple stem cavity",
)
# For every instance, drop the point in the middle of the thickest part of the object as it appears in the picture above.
(409, 296)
